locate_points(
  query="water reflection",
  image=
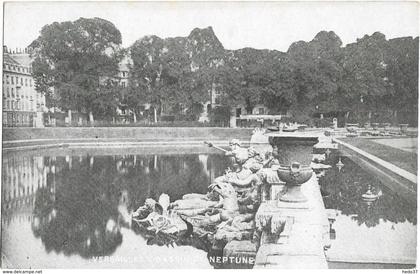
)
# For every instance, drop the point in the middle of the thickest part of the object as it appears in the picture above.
(367, 231)
(81, 205)
(344, 189)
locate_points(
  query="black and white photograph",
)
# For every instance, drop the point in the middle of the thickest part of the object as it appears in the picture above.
(209, 135)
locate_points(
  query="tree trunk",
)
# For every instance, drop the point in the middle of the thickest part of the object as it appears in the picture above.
(395, 117)
(134, 117)
(154, 115)
(69, 115)
(346, 117)
(91, 120)
(232, 120)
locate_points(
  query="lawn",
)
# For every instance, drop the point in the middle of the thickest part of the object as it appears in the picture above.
(403, 159)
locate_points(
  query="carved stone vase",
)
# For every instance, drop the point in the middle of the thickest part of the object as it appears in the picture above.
(294, 175)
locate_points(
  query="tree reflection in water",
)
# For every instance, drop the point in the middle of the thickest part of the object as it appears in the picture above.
(81, 216)
(89, 199)
(344, 191)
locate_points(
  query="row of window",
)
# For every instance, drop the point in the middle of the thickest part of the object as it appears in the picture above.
(10, 93)
(17, 105)
(15, 80)
(17, 68)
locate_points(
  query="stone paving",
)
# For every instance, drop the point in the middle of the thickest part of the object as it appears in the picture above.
(304, 236)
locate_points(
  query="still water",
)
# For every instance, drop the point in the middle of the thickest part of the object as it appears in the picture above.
(74, 211)
(378, 233)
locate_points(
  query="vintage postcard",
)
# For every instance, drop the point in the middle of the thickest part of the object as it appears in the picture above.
(209, 135)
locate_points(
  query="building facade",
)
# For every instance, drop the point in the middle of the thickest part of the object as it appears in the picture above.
(23, 106)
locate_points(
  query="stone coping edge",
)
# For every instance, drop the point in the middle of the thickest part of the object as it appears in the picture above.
(391, 167)
(101, 144)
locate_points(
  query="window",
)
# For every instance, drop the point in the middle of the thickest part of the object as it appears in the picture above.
(8, 92)
(30, 82)
(12, 80)
(19, 69)
(13, 93)
(123, 84)
(8, 104)
(21, 81)
(26, 82)
(7, 79)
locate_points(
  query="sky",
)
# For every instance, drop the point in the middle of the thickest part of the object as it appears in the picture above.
(262, 25)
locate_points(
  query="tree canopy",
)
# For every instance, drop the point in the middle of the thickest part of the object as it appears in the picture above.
(78, 61)
(176, 76)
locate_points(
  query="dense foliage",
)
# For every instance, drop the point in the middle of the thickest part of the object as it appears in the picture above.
(77, 60)
(371, 78)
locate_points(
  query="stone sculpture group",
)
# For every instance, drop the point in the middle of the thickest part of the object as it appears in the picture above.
(226, 212)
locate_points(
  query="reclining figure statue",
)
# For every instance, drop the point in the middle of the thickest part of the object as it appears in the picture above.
(179, 215)
(226, 212)
(247, 162)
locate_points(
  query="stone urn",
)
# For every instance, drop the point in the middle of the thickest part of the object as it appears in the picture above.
(294, 175)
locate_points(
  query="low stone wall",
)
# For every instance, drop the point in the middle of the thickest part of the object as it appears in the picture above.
(121, 133)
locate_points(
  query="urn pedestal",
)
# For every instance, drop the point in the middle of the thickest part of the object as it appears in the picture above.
(294, 175)
(295, 156)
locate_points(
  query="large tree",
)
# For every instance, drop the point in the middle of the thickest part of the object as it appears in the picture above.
(77, 61)
(364, 81)
(402, 75)
(316, 72)
(174, 75)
